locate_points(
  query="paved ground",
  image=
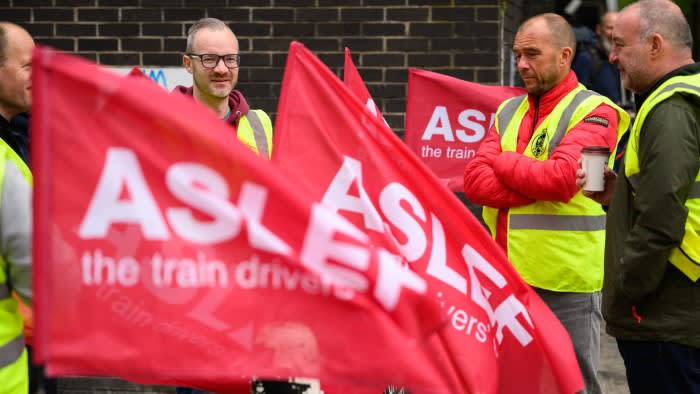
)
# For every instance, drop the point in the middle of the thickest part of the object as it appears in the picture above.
(612, 371)
(612, 374)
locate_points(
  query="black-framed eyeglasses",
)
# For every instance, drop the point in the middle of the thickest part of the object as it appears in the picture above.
(232, 60)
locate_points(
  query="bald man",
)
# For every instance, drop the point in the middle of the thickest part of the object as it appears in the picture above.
(16, 46)
(651, 295)
(524, 174)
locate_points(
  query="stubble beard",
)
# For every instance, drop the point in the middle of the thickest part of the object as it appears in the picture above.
(542, 86)
(207, 88)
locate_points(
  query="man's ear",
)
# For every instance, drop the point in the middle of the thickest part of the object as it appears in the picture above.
(187, 63)
(566, 56)
(656, 45)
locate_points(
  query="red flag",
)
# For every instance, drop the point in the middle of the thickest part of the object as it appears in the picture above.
(354, 82)
(446, 120)
(494, 333)
(167, 253)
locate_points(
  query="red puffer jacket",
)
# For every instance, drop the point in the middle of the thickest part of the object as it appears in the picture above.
(510, 179)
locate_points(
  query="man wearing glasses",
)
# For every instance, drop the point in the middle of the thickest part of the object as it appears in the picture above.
(213, 59)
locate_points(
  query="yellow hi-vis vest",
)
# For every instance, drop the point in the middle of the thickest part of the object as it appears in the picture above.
(13, 356)
(554, 245)
(255, 130)
(686, 257)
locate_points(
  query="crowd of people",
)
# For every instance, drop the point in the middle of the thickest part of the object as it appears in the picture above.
(628, 254)
(524, 174)
(637, 239)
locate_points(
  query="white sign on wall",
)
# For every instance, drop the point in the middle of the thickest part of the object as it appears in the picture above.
(166, 77)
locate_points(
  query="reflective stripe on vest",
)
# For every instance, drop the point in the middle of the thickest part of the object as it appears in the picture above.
(566, 116)
(507, 112)
(10, 352)
(557, 222)
(510, 108)
(685, 257)
(554, 245)
(12, 338)
(258, 133)
(255, 130)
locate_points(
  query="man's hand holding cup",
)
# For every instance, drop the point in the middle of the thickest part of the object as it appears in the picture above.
(594, 176)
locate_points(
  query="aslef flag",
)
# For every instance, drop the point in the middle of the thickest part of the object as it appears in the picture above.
(446, 120)
(167, 253)
(353, 80)
(494, 335)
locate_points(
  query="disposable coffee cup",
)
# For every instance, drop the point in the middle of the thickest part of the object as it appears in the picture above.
(593, 161)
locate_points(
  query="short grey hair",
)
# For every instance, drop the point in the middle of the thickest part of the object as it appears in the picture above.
(666, 19)
(3, 42)
(204, 23)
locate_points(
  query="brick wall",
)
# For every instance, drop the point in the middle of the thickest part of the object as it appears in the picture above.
(513, 14)
(457, 37)
(469, 39)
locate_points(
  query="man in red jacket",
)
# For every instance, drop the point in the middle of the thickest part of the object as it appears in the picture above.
(524, 174)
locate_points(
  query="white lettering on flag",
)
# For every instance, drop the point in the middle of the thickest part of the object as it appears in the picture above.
(122, 169)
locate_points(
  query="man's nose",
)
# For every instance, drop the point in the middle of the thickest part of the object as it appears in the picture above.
(221, 66)
(522, 64)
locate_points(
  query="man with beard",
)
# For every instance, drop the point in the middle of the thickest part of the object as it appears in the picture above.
(591, 63)
(651, 294)
(524, 174)
(212, 57)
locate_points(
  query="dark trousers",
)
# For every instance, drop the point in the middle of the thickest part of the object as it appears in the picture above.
(38, 382)
(187, 390)
(661, 367)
